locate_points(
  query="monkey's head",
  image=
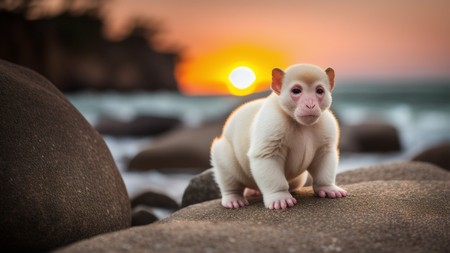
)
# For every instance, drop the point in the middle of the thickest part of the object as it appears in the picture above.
(304, 91)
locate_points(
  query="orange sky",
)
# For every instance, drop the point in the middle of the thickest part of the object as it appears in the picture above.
(369, 40)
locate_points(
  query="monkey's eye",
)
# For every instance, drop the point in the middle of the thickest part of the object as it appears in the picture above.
(320, 91)
(296, 91)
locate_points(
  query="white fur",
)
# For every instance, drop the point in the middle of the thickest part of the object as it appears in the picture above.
(263, 147)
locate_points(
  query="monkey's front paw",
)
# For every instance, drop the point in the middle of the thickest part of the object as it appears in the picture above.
(331, 191)
(279, 200)
(234, 201)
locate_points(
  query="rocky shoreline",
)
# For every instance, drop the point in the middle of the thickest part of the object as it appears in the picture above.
(61, 191)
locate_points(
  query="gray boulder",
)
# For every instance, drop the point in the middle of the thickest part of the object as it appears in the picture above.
(58, 181)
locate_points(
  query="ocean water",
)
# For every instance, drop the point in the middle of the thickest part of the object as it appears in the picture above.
(420, 112)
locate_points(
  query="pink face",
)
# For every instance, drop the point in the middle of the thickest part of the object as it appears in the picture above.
(304, 91)
(309, 102)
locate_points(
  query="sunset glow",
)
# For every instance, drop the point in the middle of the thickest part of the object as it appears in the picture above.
(410, 42)
(210, 74)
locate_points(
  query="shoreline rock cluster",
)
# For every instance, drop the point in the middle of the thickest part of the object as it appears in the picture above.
(400, 207)
(61, 191)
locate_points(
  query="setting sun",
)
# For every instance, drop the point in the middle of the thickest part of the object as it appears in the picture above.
(241, 81)
(242, 77)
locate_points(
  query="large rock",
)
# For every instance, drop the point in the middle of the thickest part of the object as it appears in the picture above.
(438, 154)
(377, 216)
(182, 148)
(58, 181)
(203, 187)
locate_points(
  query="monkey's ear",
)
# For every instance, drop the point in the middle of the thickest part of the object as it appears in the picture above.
(330, 74)
(277, 80)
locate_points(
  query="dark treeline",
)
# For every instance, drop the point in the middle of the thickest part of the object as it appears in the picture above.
(71, 51)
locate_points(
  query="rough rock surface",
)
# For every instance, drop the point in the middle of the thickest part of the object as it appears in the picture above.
(58, 181)
(410, 215)
(417, 171)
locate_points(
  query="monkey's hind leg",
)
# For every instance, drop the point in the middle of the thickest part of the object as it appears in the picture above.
(232, 193)
(226, 171)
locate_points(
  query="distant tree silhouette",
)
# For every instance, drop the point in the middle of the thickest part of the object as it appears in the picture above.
(71, 51)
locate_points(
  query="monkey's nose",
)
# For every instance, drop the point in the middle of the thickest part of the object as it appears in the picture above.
(310, 106)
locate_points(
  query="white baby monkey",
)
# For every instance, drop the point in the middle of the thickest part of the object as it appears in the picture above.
(272, 144)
